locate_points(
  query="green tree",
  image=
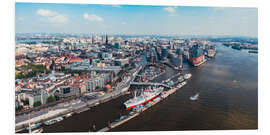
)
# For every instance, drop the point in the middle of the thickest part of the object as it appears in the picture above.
(20, 107)
(57, 97)
(51, 99)
(26, 101)
(38, 103)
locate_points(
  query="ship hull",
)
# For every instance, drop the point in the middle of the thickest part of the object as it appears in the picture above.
(132, 106)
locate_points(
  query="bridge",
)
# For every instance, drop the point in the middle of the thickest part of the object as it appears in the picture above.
(150, 83)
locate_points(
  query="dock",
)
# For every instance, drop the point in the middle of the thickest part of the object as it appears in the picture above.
(130, 116)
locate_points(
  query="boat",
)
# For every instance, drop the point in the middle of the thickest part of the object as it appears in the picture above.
(127, 93)
(125, 88)
(180, 85)
(195, 97)
(33, 126)
(180, 79)
(68, 115)
(170, 83)
(187, 76)
(146, 96)
(40, 130)
(52, 121)
(253, 51)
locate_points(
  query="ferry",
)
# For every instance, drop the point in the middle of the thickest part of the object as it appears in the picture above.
(52, 121)
(195, 97)
(146, 96)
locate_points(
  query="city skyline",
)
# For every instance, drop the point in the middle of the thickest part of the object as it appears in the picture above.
(125, 19)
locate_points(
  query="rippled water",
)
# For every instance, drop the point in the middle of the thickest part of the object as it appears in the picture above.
(228, 87)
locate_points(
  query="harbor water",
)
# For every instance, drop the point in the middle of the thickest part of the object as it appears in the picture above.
(228, 99)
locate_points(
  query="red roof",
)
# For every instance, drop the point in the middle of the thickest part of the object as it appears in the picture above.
(59, 58)
(76, 84)
(20, 84)
(74, 59)
(78, 78)
(85, 78)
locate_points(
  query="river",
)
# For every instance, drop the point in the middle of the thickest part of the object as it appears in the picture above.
(228, 87)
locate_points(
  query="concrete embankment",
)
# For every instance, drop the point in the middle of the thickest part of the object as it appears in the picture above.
(126, 118)
(63, 110)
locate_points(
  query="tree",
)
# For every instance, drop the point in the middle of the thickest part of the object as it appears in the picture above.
(20, 107)
(26, 101)
(57, 97)
(38, 103)
(51, 99)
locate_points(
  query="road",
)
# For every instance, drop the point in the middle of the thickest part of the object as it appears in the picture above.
(65, 107)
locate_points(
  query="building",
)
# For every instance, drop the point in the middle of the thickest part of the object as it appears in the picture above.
(98, 81)
(196, 55)
(39, 96)
(121, 62)
(164, 53)
(33, 98)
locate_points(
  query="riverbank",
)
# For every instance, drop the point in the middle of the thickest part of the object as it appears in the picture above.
(135, 113)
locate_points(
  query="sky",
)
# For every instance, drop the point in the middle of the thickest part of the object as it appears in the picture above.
(135, 19)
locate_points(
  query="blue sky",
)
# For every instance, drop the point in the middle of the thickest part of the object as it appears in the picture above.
(135, 19)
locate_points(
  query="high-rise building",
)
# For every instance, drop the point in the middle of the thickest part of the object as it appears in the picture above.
(164, 53)
(93, 40)
(106, 40)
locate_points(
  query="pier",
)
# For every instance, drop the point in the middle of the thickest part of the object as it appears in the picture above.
(133, 114)
(150, 83)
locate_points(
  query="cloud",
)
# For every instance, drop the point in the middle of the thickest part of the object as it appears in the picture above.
(117, 6)
(170, 9)
(52, 17)
(19, 19)
(44, 12)
(92, 17)
(172, 15)
(218, 8)
(123, 23)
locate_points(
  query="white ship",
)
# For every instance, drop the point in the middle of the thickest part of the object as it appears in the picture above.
(187, 76)
(145, 96)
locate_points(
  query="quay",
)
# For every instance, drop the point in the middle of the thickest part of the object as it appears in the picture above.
(133, 114)
(75, 106)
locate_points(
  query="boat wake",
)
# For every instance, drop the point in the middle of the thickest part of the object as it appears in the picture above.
(195, 97)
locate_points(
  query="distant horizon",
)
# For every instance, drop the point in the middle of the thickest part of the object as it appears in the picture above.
(135, 20)
(119, 34)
